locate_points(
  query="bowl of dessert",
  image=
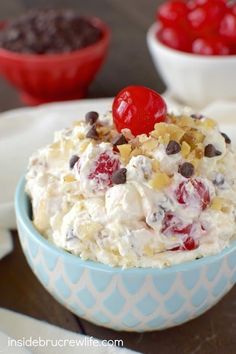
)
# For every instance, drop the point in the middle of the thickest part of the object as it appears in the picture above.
(128, 218)
(52, 55)
(193, 47)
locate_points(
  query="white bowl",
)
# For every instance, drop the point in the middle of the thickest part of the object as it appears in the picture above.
(196, 80)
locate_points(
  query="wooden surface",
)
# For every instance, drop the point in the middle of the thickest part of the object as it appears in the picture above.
(128, 63)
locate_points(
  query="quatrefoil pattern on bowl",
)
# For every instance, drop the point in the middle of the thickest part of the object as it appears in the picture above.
(130, 300)
(141, 299)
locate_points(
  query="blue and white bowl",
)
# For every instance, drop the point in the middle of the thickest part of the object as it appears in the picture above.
(139, 299)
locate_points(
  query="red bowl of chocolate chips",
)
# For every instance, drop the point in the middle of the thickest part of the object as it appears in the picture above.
(52, 55)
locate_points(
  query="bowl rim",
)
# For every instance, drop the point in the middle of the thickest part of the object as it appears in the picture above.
(96, 21)
(21, 206)
(152, 39)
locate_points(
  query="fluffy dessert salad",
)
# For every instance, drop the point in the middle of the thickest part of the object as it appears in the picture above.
(136, 187)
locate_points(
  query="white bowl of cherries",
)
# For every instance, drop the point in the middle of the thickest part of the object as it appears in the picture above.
(193, 46)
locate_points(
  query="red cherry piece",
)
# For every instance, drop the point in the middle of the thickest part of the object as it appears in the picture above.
(205, 18)
(174, 38)
(233, 9)
(105, 166)
(228, 28)
(138, 108)
(172, 13)
(196, 18)
(193, 192)
(210, 46)
(193, 4)
(233, 49)
(171, 224)
(168, 222)
(203, 2)
(188, 245)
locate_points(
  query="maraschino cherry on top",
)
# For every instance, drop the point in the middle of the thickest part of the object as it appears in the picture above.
(138, 108)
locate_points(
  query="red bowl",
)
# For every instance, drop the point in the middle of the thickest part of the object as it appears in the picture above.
(55, 77)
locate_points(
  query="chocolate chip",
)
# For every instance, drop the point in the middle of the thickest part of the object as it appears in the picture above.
(92, 133)
(173, 147)
(119, 140)
(91, 117)
(227, 139)
(186, 169)
(73, 160)
(119, 176)
(70, 235)
(48, 31)
(157, 216)
(219, 180)
(197, 116)
(211, 151)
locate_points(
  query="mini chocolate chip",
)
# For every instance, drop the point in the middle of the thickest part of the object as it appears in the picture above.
(70, 235)
(119, 140)
(119, 176)
(186, 169)
(173, 147)
(211, 151)
(227, 139)
(219, 180)
(91, 117)
(92, 133)
(197, 116)
(73, 160)
(157, 216)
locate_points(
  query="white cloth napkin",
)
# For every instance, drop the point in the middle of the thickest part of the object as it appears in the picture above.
(50, 339)
(24, 130)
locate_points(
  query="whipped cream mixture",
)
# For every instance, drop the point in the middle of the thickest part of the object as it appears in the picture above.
(144, 201)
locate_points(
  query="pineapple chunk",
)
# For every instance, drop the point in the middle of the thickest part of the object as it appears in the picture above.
(185, 149)
(89, 230)
(125, 151)
(83, 145)
(155, 165)
(148, 251)
(193, 137)
(220, 204)
(160, 180)
(162, 129)
(149, 144)
(136, 152)
(80, 135)
(142, 138)
(208, 123)
(69, 178)
(199, 151)
(185, 122)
